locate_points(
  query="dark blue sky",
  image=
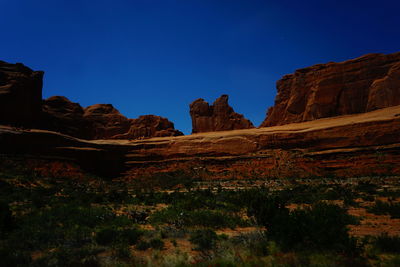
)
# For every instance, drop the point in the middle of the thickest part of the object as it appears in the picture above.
(155, 57)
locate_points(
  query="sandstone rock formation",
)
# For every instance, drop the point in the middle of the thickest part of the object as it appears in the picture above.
(149, 126)
(20, 95)
(62, 115)
(325, 90)
(100, 121)
(217, 117)
(348, 146)
(106, 121)
(21, 105)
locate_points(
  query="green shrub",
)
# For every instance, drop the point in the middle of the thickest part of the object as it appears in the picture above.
(156, 243)
(123, 252)
(64, 256)
(383, 208)
(11, 257)
(385, 243)
(131, 236)
(106, 236)
(322, 227)
(205, 218)
(204, 239)
(143, 245)
(109, 236)
(6, 219)
(266, 209)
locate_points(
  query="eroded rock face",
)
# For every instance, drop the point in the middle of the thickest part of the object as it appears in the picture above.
(62, 115)
(217, 117)
(106, 121)
(20, 95)
(325, 90)
(100, 121)
(350, 146)
(149, 126)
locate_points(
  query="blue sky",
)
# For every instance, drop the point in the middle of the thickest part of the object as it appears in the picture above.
(156, 57)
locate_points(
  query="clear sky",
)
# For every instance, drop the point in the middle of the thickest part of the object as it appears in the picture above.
(156, 57)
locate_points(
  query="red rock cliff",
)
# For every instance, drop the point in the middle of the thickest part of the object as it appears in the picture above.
(360, 85)
(106, 121)
(217, 117)
(61, 115)
(101, 121)
(20, 94)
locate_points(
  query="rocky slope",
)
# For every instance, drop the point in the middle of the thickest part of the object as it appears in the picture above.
(216, 117)
(325, 90)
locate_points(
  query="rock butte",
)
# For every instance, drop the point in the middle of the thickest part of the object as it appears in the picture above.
(364, 143)
(217, 117)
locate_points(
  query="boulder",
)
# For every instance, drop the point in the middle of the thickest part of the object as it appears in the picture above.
(216, 117)
(355, 86)
(20, 95)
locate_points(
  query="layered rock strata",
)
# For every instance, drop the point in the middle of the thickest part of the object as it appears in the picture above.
(348, 146)
(101, 121)
(355, 86)
(216, 117)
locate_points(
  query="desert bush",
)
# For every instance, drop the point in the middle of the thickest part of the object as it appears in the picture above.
(131, 236)
(106, 236)
(383, 208)
(204, 239)
(6, 218)
(170, 231)
(321, 227)
(122, 252)
(143, 245)
(109, 236)
(64, 256)
(385, 243)
(164, 180)
(256, 242)
(366, 187)
(266, 209)
(10, 257)
(185, 218)
(156, 243)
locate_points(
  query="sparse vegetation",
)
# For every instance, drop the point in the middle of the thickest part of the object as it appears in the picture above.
(52, 221)
(204, 239)
(383, 208)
